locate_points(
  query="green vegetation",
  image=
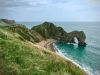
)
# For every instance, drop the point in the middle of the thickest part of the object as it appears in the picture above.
(27, 34)
(24, 32)
(49, 30)
(18, 56)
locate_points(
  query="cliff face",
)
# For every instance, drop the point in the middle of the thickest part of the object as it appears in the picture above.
(5, 22)
(49, 30)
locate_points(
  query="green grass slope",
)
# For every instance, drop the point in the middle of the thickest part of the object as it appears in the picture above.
(28, 34)
(25, 33)
(20, 57)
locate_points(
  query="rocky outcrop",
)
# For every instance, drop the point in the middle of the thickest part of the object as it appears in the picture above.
(79, 35)
(49, 30)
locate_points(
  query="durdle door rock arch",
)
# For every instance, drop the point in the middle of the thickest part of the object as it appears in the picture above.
(81, 37)
(49, 30)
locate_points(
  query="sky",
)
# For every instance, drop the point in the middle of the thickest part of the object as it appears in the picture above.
(50, 10)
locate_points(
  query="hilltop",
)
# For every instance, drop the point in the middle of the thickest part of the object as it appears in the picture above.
(19, 55)
(49, 30)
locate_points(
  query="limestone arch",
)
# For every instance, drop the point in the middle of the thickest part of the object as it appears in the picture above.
(79, 35)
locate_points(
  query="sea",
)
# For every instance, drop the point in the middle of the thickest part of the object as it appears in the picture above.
(88, 57)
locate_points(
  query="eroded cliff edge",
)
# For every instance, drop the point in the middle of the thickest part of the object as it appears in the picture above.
(49, 30)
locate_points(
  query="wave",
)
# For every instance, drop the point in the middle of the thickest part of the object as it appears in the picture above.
(61, 54)
(86, 68)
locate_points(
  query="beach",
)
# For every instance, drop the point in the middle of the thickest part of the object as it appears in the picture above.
(48, 44)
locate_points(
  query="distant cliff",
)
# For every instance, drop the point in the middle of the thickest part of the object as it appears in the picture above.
(49, 30)
(5, 22)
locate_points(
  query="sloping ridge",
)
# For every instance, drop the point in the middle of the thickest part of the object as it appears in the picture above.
(27, 34)
(22, 30)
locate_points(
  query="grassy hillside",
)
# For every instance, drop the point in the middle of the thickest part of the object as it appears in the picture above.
(18, 56)
(27, 34)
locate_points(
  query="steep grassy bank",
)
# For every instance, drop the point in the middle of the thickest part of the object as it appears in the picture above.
(27, 34)
(20, 57)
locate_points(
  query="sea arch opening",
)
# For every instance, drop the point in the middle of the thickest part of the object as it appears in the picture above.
(76, 40)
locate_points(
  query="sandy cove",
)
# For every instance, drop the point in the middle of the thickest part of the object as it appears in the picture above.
(48, 44)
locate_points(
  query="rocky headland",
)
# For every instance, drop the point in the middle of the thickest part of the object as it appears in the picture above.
(49, 30)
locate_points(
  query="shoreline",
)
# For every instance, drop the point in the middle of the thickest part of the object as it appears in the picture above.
(48, 44)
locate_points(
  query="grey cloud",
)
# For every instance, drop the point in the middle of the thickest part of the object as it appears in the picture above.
(21, 3)
(13, 3)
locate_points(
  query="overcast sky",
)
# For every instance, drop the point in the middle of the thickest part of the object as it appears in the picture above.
(50, 10)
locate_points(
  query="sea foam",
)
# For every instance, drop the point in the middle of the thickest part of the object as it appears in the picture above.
(86, 68)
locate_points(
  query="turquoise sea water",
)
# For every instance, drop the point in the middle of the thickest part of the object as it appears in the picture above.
(88, 58)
